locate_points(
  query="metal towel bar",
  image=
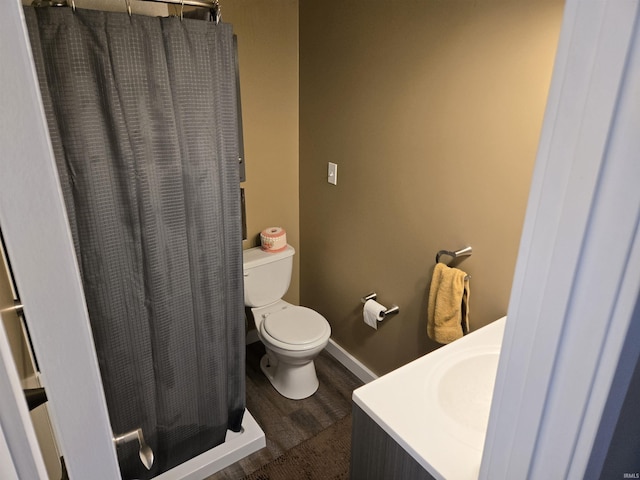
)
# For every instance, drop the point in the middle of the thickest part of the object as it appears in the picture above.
(463, 252)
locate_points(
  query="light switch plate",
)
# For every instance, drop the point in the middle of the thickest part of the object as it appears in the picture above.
(332, 173)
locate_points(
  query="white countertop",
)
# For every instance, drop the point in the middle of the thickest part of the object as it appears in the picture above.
(437, 407)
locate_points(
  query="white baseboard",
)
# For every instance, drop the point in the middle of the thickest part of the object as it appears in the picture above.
(350, 362)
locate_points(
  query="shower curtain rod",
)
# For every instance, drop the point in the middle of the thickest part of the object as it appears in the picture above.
(212, 4)
(189, 3)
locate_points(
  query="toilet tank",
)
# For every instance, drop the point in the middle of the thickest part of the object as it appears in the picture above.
(267, 275)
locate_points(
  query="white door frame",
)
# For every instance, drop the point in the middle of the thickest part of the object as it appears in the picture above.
(40, 249)
(553, 315)
(578, 273)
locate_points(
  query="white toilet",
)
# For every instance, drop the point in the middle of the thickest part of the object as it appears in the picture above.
(293, 335)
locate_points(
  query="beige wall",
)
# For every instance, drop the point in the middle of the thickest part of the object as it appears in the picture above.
(432, 110)
(268, 53)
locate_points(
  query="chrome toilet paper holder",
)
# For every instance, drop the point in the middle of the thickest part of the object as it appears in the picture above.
(389, 311)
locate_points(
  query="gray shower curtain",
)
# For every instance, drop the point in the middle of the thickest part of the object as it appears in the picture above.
(142, 116)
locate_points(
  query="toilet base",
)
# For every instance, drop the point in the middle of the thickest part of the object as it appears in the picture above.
(291, 381)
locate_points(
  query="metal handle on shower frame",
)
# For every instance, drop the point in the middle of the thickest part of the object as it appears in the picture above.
(145, 452)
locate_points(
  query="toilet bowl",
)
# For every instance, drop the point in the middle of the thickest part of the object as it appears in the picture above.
(292, 335)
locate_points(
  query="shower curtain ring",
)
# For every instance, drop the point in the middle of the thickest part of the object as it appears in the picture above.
(217, 11)
(73, 5)
(128, 2)
(181, 10)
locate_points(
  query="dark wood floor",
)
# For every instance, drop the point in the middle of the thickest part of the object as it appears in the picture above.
(286, 423)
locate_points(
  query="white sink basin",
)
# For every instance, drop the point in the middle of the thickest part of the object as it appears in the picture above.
(466, 388)
(437, 407)
(461, 386)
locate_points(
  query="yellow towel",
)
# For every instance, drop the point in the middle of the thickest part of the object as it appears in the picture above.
(448, 311)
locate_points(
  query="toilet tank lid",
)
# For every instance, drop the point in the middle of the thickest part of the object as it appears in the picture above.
(254, 257)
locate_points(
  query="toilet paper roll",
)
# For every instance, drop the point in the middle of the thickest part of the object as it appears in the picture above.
(373, 312)
(273, 239)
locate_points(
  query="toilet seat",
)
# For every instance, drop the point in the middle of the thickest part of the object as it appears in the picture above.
(295, 328)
